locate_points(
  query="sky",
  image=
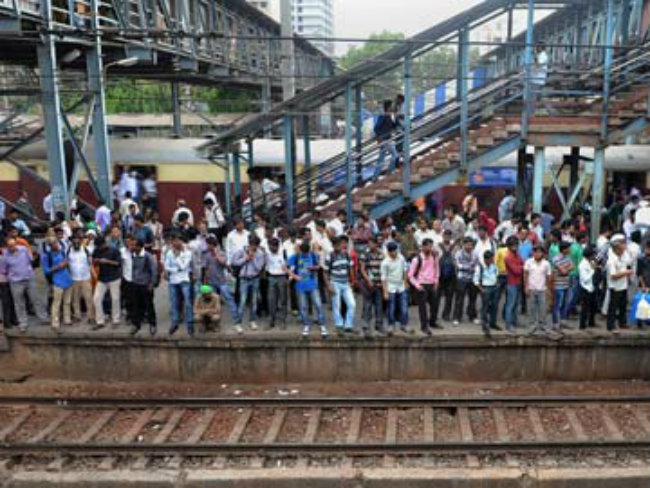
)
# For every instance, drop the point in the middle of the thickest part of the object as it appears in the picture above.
(360, 18)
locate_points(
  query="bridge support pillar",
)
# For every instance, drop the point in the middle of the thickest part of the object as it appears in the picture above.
(348, 153)
(52, 121)
(538, 179)
(289, 158)
(176, 109)
(407, 126)
(236, 166)
(358, 135)
(228, 188)
(525, 118)
(598, 189)
(520, 192)
(463, 74)
(306, 135)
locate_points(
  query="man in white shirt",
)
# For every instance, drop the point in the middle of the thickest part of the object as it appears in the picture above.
(181, 207)
(539, 75)
(178, 264)
(277, 271)
(237, 240)
(423, 232)
(484, 243)
(337, 225)
(126, 204)
(79, 264)
(588, 305)
(126, 254)
(48, 206)
(619, 271)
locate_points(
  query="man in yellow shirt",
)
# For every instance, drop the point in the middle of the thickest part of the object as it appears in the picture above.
(502, 280)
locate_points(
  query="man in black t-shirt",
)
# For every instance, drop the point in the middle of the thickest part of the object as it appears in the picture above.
(108, 261)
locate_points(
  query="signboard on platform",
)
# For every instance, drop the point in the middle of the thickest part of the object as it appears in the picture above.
(493, 177)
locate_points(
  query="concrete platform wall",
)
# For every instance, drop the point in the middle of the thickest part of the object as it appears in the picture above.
(261, 361)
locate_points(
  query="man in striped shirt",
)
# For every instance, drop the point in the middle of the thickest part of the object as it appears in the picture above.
(340, 273)
(466, 262)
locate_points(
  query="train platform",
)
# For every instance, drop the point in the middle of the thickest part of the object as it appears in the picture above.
(456, 353)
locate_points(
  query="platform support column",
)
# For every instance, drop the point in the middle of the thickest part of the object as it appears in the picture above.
(463, 59)
(251, 154)
(528, 62)
(538, 179)
(639, 21)
(348, 152)
(624, 24)
(306, 134)
(597, 193)
(574, 166)
(176, 109)
(577, 51)
(51, 102)
(607, 66)
(408, 86)
(510, 51)
(236, 165)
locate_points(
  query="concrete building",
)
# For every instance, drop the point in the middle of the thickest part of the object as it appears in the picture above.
(311, 18)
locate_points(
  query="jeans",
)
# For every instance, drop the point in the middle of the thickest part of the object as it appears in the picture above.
(18, 289)
(373, 299)
(343, 291)
(175, 291)
(100, 291)
(386, 146)
(489, 306)
(560, 306)
(277, 297)
(465, 288)
(617, 309)
(303, 298)
(248, 287)
(574, 294)
(537, 309)
(502, 284)
(401, 300)
(228, 297)
(512, 306)
(427, 296)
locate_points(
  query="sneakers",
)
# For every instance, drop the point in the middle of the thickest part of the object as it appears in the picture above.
(324, 332)
(477, 322)
(239, 329)
(254, 325)
(97, 327)
(134, 330)
(456, 323)
(305, 331)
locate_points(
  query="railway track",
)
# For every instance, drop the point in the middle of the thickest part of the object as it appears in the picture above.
(202, 427)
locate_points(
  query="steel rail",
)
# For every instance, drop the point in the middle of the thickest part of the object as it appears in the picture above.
(329, 402)
(301, 448)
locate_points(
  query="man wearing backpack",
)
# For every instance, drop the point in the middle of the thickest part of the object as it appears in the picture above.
(144, 273)
(424, 275)
(383, 129)
(447, 282)
(303, 269)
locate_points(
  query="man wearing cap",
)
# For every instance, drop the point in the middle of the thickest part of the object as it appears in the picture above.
(619, 272)
(394, 281)
(207, 309)
(485, 279)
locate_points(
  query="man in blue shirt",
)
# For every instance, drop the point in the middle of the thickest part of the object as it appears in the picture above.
(55, 266)
(303, 269)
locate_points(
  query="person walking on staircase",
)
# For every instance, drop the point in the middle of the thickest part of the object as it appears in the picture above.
(384, 128)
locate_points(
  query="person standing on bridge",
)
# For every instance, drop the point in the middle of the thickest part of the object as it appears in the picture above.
(384, 128)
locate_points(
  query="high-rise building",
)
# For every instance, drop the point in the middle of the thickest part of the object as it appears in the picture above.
(311, 18)
(315, 19)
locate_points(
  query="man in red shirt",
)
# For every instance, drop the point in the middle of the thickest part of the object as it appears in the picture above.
(515, 271)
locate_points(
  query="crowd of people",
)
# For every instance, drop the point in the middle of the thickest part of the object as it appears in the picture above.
(106, 266)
